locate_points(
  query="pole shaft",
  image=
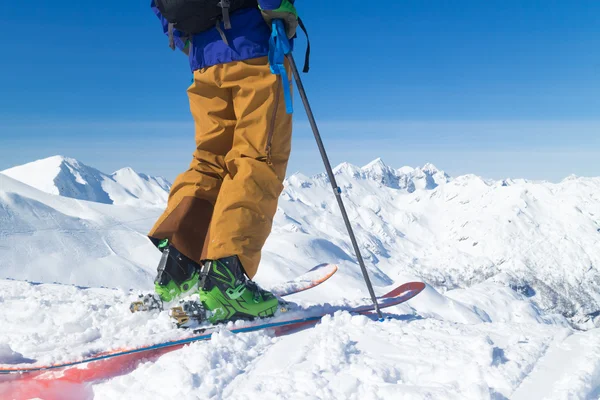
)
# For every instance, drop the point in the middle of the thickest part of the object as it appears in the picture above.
(336, 189)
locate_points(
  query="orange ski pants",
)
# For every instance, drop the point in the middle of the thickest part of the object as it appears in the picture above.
(224, 204)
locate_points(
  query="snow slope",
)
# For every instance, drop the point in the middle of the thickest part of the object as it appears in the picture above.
(506, 262)
(47, 238)
(434, 347)
(71, 178)
(569, 368)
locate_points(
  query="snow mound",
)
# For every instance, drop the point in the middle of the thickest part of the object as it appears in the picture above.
(68, 177)
(47, 238)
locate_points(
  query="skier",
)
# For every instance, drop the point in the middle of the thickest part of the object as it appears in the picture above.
(220, 211)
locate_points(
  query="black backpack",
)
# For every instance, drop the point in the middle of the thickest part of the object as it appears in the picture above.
(195, 16)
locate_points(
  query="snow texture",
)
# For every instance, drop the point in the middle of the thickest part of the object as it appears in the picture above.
(511, 309)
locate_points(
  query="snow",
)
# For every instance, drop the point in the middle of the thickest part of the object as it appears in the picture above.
(47, 238)
(8, 356)
(71, 178)
(460, 352)
(539, 237)
(511, 309)
(40, 174)
(570, 368)
(149, 189)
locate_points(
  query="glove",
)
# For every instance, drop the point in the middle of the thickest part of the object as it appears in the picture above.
(286, 12)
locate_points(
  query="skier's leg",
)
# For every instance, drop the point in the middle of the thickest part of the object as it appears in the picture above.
(183, 227)
(186, 220)
(256, 164)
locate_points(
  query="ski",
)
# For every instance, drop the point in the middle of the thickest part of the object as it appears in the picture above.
(286, 322)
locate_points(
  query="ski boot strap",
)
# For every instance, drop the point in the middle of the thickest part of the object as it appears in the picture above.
(204, 274)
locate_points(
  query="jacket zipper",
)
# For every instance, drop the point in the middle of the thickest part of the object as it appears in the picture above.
(268, 148)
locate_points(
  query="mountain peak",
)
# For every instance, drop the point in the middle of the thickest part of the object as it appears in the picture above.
(57, 161)
(406, 170)
(68, 177)
(348, 168)
(376, 164)
(42, 174)
(125, 171)
(53, 159)
(407, 178)
(430, 168)
(571, 177)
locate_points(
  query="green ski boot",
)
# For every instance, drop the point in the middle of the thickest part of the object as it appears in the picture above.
(227, 294)
(178, 276)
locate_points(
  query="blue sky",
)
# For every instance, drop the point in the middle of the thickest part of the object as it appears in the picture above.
(496, 88)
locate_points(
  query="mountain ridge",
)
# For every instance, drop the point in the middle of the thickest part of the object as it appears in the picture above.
(68, 177)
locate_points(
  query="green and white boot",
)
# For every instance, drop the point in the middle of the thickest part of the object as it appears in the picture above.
(227, 294)
(177, 277)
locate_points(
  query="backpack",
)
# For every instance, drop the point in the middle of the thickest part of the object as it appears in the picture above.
(195, 16)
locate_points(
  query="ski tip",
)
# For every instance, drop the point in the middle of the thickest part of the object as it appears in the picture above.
(332, 267)
(415, 287)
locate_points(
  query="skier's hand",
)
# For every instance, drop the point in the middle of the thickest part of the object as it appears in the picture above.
(286, 12)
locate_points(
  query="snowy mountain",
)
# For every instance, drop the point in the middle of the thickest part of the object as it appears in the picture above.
(48, 238)
(71, 178)
(540, 238)
(512, 268)
(428, 177)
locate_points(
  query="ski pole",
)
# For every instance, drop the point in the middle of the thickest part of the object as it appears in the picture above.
(336, 189)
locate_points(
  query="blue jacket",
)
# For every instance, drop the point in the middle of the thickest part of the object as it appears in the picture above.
(248, 38)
